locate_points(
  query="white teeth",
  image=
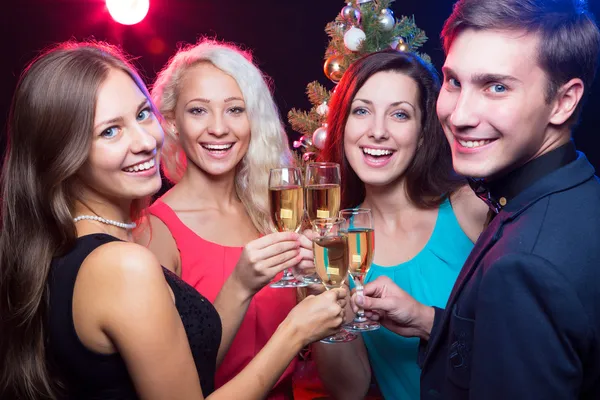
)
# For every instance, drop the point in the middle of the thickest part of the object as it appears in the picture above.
(473, 143)
(141, 166)
(217, 146)
(376, 152)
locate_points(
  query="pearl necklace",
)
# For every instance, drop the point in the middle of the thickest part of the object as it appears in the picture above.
(106, 221)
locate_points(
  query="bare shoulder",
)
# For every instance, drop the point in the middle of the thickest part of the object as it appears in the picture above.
(122, 259)
(470, 210)
(110, 282)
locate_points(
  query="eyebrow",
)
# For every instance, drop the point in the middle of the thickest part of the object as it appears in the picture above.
(395, 104)
(207, 101)
(142, 104)
(484, 78)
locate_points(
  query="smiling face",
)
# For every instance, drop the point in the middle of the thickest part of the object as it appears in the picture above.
(492, 105)
(383, 128)
(123, 159)
(211, 120)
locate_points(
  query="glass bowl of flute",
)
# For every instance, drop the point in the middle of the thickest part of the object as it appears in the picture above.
(358, 227)
(330, 248)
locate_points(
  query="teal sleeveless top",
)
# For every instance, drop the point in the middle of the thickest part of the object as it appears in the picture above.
(429, 278)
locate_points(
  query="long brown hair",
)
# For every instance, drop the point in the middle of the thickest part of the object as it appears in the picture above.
(49, 138)
(429, 177)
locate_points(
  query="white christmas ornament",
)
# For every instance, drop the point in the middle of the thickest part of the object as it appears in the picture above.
(323, 109)
(353, 37)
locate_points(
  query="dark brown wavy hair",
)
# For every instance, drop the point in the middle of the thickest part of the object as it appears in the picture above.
(429, 177)
(49, 138)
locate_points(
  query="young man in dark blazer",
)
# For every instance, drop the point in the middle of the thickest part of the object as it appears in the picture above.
(523, 320)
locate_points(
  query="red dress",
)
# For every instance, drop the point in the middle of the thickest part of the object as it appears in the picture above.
(205, 266)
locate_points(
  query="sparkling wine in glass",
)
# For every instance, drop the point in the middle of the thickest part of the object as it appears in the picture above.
(358, 225)
(330, 248)
(286, 201)
(322, 191)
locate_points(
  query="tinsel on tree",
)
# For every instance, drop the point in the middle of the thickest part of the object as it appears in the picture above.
(361, 27)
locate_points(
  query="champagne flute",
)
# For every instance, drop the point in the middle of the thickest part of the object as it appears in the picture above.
(330, 248)
(322, 191)
(358, 225)
(286, 201)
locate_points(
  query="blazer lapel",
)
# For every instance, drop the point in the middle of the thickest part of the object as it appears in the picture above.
(487, 238)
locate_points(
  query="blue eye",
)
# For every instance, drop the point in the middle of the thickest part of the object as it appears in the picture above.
(498, 88)
(110, 132)
(359, 111)
(400, 115)
(144, 114)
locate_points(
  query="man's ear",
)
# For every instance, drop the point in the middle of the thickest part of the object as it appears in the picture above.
(567, 98)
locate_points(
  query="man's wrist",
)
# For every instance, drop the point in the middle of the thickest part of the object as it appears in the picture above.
(425, 321)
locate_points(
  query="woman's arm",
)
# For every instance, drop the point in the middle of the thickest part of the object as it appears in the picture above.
(259, 262)
(311, 320)
(127, 302)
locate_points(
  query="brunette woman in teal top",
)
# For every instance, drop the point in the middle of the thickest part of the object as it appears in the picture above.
(395, 160)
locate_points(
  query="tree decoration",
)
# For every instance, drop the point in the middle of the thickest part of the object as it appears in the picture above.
(362, 27)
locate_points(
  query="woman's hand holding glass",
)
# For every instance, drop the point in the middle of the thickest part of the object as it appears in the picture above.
(317, 317)
(262, 259)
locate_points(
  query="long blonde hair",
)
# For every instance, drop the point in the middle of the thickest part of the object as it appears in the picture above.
(268, 145)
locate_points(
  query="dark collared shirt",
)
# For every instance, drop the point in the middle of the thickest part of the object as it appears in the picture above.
(499, 192)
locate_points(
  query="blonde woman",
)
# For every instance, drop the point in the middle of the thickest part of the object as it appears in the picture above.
(223, 134)
(86, 313)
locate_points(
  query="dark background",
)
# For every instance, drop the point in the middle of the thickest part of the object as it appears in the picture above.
(286, 36)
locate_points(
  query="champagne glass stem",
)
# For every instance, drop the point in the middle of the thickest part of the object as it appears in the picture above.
(360, 314)
(287, 275)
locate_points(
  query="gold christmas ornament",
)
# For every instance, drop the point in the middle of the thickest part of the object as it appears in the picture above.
(401, 46)
(333, 68)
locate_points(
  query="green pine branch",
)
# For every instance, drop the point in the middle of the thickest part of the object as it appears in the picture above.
(303, 122)
(317, 93)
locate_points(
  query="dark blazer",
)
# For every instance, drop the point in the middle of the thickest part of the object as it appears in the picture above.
(523, 319)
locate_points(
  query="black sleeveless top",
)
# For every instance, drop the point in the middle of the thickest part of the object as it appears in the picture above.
(90, 375)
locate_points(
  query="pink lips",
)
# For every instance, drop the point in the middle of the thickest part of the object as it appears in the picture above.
(147, 172)
(377, 161)
(217, 153)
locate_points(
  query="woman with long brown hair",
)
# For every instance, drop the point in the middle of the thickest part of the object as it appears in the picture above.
(395, 161)
(84, 311)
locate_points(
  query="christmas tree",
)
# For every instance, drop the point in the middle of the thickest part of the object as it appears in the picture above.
(362, 27)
